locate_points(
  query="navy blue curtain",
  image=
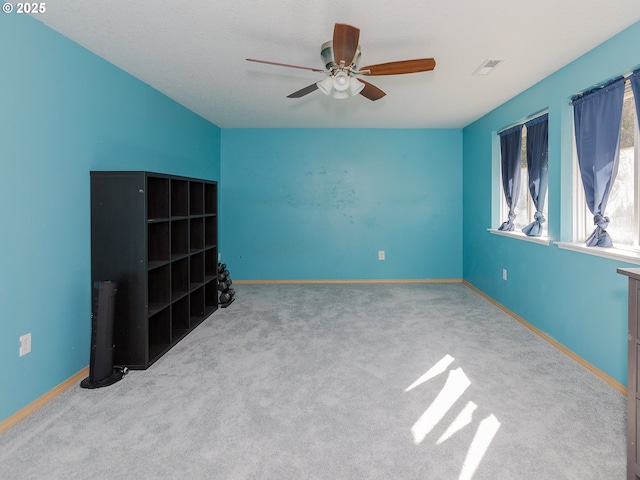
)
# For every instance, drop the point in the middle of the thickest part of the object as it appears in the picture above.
(538, 168)
(597, 116)
(510, 145)
(635, 86)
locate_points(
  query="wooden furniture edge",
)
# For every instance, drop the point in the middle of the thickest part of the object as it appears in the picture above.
(39, 402)
(597, 372)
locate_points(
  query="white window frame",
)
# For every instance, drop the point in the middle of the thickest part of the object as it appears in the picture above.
(582, 219)
(524, 187)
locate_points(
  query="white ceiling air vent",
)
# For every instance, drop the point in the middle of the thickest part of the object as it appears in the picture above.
(487, 67)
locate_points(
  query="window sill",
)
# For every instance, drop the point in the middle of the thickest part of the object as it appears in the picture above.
(521, 236)
(606, 252)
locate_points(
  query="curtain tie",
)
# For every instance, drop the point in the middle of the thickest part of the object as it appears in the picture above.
(599, 237)
(534, 229)
(508, 226)
(539, 217)
(601, 221)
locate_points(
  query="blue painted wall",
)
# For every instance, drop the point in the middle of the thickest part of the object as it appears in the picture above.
(64, 112)
(577, 299)
(423, 196)
(320, 204)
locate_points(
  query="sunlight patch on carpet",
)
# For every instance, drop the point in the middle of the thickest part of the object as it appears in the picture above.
(457, 383)
(479, 445)
(454, 388)
(464, 418)
(434, 371)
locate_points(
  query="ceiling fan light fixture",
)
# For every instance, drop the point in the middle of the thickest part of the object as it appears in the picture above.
(325, 85)
(341, 81)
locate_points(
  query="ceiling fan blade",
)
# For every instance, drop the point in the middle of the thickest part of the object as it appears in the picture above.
(284, 65)
(371, 92)
(345, 43)
(401, 67)
(303, 91)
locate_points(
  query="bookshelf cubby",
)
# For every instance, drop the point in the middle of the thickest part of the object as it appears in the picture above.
(179, 198)
(156, 235)
(196, 230)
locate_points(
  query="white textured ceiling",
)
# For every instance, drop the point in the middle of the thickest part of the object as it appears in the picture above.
(194, 52)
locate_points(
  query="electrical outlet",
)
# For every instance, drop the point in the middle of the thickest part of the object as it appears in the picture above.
(25, 344)
(504, 274)
(381, 255)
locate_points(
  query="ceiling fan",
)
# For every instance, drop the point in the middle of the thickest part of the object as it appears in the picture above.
(341, 57)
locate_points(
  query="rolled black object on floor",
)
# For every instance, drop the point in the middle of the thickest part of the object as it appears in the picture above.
(101, 370)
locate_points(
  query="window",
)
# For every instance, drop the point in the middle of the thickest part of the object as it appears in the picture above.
(525, 208)
(623, 205)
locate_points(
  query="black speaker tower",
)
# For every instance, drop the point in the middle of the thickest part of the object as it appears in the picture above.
(101, 370)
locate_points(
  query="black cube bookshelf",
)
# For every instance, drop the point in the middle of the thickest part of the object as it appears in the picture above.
(156, 235)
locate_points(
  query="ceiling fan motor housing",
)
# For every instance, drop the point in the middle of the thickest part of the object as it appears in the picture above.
(330, 64)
